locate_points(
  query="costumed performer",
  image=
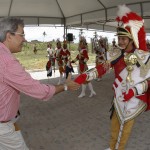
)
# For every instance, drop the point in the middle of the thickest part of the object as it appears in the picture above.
(82, 58)
(131, 63)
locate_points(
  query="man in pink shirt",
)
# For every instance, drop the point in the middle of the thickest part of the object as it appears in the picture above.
(13, 80)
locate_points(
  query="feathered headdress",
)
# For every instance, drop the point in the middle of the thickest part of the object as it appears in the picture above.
(58, 42)
(132, 26)
(64, 42)
(82, 40)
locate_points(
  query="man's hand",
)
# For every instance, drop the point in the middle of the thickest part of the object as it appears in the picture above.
(128, 96)
(71, 84)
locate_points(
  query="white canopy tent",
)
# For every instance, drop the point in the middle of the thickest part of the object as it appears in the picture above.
(90, 14)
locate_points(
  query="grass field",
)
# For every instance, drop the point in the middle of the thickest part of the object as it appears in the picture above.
(31, 61)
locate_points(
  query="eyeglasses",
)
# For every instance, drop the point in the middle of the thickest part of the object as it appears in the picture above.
(22, 35)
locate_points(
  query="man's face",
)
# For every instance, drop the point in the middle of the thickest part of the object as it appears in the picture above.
(16, 40)
(125, 43)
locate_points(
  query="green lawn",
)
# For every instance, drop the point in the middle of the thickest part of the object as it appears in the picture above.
(31, 61)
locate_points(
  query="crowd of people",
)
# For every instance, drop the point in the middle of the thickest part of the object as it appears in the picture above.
(130, 60)
(60, 57)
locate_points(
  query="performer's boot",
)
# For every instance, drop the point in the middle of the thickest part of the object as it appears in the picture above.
(99, 79)
(64, 76)
(91, 90)
(115, 127)
(83, 91)
(60, 80)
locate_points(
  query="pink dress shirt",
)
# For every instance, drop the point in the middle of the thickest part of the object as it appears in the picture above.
(13, 80)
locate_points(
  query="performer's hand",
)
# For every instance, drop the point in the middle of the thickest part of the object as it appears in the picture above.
(129, 95)
(107, 66)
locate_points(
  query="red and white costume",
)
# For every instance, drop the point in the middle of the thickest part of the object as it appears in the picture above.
(58, 56)
(138, 103)
(51, 62)
(132, 74)
(66, 56)
(83, 57)
(100, 54)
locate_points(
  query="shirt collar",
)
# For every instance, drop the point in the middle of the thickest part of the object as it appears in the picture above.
(4, 47)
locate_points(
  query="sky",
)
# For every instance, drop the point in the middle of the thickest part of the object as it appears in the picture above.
(36, 33)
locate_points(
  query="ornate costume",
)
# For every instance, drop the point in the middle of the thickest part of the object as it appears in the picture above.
(58, 56)
(83, 57)
(132, 73)
(100, 51)
(66, 57)
(51, 62)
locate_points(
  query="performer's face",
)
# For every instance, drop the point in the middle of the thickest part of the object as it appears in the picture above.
(58, 45)
(125, 43)
(82, 45)
(64, 46)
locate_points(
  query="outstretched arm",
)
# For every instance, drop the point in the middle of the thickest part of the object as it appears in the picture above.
(93, 73)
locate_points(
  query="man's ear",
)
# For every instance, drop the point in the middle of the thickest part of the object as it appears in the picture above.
(8, 36)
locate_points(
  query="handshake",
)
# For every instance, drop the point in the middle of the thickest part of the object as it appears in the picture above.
(91, 74)
(87, 76)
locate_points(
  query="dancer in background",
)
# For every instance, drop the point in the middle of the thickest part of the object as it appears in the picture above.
(114, 43)
(50, 50)
(100, 51)
(58, 56)
(131, 65)
(51, 62)
(82, 58)
(66, 57)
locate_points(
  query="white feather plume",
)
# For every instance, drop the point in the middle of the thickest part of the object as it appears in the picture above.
(135, 27)
(123, 10)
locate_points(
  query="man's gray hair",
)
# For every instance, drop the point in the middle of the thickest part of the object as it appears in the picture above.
(9, 24)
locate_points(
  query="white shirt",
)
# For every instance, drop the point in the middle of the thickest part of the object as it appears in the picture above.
(50, 51)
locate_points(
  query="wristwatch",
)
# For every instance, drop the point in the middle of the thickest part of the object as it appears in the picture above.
(65, 87)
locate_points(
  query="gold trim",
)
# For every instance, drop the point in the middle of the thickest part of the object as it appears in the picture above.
(144, 68)
(113, 54)
(137, 113)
